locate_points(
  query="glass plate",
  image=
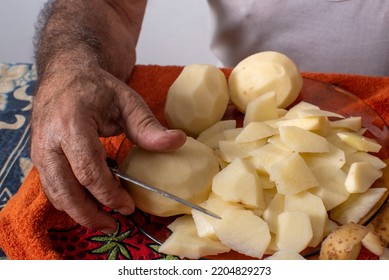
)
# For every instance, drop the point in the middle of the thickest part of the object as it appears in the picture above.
(327, 97)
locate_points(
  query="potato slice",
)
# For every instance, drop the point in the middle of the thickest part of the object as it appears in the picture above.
(292, 175)
(357, 206)
(361, 177)
(334, 158)
(185, 243)
(294, 231)
(365, 157)
(275, 208)
(374, 243)
(359, 142)
(239, 182)
(380, 223)
(204, 223)
(331, 187)
(261, 108)
(344, 243)
(351, 123)
(285, 254)
(255, 131)
(243, 232)
(313, 206)
(212, 135)
(303, 141)
(263, 72)
(265, 156)
(308, 123)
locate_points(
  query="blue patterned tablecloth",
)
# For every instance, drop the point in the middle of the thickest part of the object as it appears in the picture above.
(17, 83)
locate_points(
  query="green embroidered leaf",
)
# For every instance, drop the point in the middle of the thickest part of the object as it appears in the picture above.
(104, 248)
(101, 238)
(113, 255)
(123, 236)
(124, 251)
(155, 248)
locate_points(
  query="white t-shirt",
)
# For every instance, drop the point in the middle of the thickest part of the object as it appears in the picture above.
(341, 36)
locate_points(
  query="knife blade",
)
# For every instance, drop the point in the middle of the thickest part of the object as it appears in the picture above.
(114, 169)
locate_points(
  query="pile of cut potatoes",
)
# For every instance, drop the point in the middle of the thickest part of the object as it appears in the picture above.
(287, 178)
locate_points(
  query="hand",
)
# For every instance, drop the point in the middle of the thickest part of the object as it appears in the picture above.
(70, 112)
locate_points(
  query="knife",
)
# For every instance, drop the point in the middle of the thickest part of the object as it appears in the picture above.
(114, 169)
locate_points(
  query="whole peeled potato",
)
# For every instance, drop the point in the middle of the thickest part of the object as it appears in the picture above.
(263, 72)
(197, 99)
(186, 173)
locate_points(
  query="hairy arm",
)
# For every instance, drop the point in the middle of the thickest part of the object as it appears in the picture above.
(75, 33)
(85, 50)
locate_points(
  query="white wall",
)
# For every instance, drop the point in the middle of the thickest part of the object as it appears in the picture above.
(17, 20)
(175, 32)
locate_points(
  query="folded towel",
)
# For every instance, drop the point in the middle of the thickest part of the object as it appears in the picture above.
(31, 228)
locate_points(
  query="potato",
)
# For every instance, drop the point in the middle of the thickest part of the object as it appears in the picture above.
(361, 177)
(186, 173)
(204, 223)
(283, 173)
(197, 99)
(261, 108)
(285, 254)
(185, 243)
(357, 206)
(261, 73)
(351, 123)
(303, 141)
(243, 232)
(275, 208)
(292, 175)
(380, 224)
(359, 142)
(344, 243)
(294, 231)
(331, 187)
(255, 131)
(374, 243)
(313, 206)
(239, 182)
(213, 134)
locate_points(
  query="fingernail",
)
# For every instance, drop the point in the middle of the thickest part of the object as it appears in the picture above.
(125, 210)
(109, 230)
(172, 130)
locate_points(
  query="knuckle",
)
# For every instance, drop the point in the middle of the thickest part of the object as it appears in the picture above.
(60, 198)
(88, 174)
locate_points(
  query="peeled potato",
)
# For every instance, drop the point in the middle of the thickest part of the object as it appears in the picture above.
(186, 173)
(261, 73)
(197, 99)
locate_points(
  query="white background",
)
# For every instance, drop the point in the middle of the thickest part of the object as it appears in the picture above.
(175, 32)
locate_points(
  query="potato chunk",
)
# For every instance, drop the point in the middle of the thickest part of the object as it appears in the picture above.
(243, 232)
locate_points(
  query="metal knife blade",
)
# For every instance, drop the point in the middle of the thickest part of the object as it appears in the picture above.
(120, 174)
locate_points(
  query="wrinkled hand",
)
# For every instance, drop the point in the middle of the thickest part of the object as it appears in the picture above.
(70, 112)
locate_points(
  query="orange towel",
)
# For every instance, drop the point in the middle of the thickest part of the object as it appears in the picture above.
(31, 227)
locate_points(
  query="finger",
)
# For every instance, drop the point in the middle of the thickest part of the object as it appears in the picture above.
(86, 156)
(143, 128)
(66, 194)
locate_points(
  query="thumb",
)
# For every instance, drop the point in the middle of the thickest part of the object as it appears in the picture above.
(142, 127)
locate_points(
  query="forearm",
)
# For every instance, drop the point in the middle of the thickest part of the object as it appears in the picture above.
(78, 35)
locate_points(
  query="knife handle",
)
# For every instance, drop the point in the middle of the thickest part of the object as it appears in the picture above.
(112, 164)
